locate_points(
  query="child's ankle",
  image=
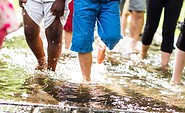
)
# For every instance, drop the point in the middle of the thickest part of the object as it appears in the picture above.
(41, 60)
(42, 64)
(164, 67)
(142, 55)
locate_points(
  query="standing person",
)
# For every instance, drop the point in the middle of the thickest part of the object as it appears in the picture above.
(52, 11)
(68, 29)
(8, 22)
(137, 10)
(86, 13)
(179, 61)
(172, 10)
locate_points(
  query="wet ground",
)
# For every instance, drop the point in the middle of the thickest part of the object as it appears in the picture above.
(122, 83)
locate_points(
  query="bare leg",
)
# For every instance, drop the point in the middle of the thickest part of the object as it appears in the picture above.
(124, 22)
(101, 51)
(165, 57)
(67, 36)
(136, 25)
(178, 66)
(54, 37)
(85, 60)
(143, 52)
(34, 41)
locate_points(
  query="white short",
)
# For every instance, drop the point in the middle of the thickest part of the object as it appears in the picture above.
(39, 11)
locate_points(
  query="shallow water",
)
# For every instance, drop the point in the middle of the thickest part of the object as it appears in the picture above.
(121, 83)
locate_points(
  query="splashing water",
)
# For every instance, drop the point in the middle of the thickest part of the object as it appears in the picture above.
(120, 83)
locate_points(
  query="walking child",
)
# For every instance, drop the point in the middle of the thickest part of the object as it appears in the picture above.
(53, 13)
(86, 13)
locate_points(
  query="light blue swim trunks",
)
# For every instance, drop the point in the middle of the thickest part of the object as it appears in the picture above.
(86, 13)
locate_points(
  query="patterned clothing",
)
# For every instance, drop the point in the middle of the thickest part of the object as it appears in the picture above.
(8, 22)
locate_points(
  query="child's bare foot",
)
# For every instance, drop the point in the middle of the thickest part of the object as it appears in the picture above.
(42, 64)
(41, 67)
(101, 54)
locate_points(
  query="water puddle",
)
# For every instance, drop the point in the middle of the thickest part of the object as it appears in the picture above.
(121, 84)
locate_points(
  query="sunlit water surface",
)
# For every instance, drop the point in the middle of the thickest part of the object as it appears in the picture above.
(121, 83)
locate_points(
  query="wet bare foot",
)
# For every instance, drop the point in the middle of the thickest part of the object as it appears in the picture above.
(101, 54)
(42, 64)
(173, 82)
(86, 79)
(163, 68)
(41, 67)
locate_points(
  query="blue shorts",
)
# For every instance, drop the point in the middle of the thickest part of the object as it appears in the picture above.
(86, 14)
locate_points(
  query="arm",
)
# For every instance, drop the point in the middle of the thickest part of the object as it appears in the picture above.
(57, 8)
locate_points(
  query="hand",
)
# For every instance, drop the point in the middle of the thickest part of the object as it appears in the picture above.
(21, 3)
(57, 8)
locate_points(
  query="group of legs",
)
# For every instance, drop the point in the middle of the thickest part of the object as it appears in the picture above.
(83, 38)
(32, 17)
(172, 10)
(154, 10)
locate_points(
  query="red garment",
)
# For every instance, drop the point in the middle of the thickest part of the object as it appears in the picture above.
(68, 25)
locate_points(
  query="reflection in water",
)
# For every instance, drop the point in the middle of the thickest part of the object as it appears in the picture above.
(103, 97)
(121, 83)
